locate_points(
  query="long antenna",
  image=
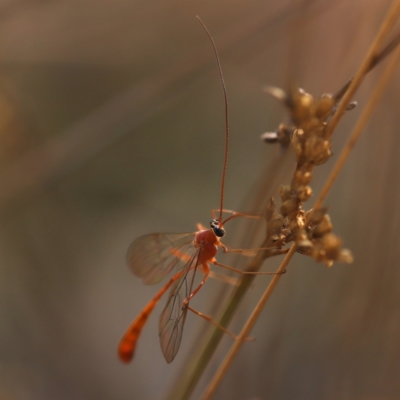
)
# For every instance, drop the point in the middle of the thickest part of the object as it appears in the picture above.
(226, 120)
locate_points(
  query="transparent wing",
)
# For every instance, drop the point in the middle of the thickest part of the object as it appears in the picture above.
(153, 256)
(173, 316)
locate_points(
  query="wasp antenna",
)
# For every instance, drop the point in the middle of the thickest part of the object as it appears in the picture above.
(226, 119)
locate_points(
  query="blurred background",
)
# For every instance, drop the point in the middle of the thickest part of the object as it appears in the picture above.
(112, 126)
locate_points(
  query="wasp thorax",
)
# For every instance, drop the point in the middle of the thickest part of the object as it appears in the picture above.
(218, 230)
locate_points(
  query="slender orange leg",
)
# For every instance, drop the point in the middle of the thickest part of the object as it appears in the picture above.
(252, 252)
(224, 278)
(206, 270)
(239, 271)
(209, 319)
(211, 274)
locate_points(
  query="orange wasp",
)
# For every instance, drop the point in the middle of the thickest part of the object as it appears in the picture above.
(153, 256)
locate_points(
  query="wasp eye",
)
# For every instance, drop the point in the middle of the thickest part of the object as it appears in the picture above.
(216, 228)
(219, 231)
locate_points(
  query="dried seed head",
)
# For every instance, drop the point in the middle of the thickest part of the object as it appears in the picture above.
(278, 93)
(317, 151)
(345, 256)
(301, 106)
(285, 192)
(304, 193)
(310, 125)
(270, 137)
(312, 231)
(298, 143)
(275, 223)
(278, 240)
(301, 235)
(275, 238)
(304, 245)
(324, 227)
(318, 253)
(324, 106)
(282, 135)
(329, 263)
(274, 226)
(289, 206)
(300, 134)
(314, 217)
(351, 105)
(303, 178)
(294, 227)
(300, 218)
(331, 246)
(287, 233)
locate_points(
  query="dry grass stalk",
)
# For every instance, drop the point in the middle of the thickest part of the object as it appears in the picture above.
(309, 232)
(344, 254)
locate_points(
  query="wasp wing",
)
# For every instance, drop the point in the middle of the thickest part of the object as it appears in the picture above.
(153, 256)
(173, 316)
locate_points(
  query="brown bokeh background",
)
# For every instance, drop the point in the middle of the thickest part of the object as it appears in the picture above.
(111, 126)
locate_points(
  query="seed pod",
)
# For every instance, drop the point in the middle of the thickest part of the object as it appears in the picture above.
(278, 93)
(318, 253)
(293, 226)
(329, 263)
(317, 151)
(287, 233)
(304, 178)
(301, 218)
(345, 256)
(302, 240)
(304, 193)
(289, 206)
(331, 246)
(324, 106)
(324, 227)
(270, 137)
(285, 192)
(314, 217)
(302, 108)
(310, 125)
(285, 133)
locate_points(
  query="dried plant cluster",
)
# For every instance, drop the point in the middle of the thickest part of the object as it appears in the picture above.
(311, 229)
